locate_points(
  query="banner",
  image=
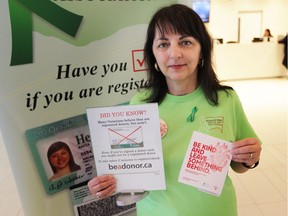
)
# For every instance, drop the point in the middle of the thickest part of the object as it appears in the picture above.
(58, 58)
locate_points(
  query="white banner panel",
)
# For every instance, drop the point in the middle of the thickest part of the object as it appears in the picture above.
(58, 58)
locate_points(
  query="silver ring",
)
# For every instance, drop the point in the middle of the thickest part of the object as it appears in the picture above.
(251, 156)
(98, 195)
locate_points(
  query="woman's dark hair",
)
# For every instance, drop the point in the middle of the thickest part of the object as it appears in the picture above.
(269, 32)
(56, 147)
(183, 20)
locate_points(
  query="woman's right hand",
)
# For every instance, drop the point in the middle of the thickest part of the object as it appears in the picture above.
(102, 186)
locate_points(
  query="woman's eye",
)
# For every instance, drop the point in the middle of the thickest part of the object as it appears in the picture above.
(163, 45)
(186, 43)
(54, 156)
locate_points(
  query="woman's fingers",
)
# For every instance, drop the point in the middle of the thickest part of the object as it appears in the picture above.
(102, 186)
(246, 151)
(106, 192)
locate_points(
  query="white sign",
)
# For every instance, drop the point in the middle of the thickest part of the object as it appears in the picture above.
(126, 142)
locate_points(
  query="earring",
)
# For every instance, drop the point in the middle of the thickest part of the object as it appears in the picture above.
(201, 62)
(156, 66)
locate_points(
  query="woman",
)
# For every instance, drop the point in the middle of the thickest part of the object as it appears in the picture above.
(267, 35)
(182, 81)
(61, 160)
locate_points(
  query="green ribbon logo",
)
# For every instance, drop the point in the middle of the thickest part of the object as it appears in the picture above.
(21, 25)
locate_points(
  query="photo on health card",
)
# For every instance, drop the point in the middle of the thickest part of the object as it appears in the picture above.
(62, 153)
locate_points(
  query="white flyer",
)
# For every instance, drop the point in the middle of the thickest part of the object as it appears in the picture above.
(127, 143)
(206, 163)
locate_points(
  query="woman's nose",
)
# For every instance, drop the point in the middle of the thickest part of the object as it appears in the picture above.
(175, 52)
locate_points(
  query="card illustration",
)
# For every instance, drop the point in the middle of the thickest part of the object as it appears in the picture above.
(126, 137)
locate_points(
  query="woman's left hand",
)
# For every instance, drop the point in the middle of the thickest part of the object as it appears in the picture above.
(246, 151)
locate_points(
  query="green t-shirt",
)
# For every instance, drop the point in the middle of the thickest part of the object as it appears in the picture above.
(226, 121)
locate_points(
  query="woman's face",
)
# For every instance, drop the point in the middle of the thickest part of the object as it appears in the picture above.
(177, 56)
(60, 159)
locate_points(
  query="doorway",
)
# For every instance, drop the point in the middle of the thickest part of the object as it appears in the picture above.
(249, 26)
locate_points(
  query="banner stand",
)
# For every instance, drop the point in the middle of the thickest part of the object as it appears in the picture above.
(57, 59)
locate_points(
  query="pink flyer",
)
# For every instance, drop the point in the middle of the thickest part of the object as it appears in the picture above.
(206, 163)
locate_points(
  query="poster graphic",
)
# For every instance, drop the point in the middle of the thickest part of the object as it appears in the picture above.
(126, 137)
(127, 143)
(206, 163)
(63, 153)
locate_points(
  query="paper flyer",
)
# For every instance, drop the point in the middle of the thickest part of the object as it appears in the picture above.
(206, 163)
(85, 204)
(62, 153)
(127, 143)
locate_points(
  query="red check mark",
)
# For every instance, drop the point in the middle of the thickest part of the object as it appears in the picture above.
(138, 60)
(141, 63)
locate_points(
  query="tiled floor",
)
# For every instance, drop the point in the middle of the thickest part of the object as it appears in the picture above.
(261, 192)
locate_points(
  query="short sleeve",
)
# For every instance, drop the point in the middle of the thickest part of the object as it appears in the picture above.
(139, 97)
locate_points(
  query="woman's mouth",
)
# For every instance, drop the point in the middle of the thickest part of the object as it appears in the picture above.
(177, 67)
